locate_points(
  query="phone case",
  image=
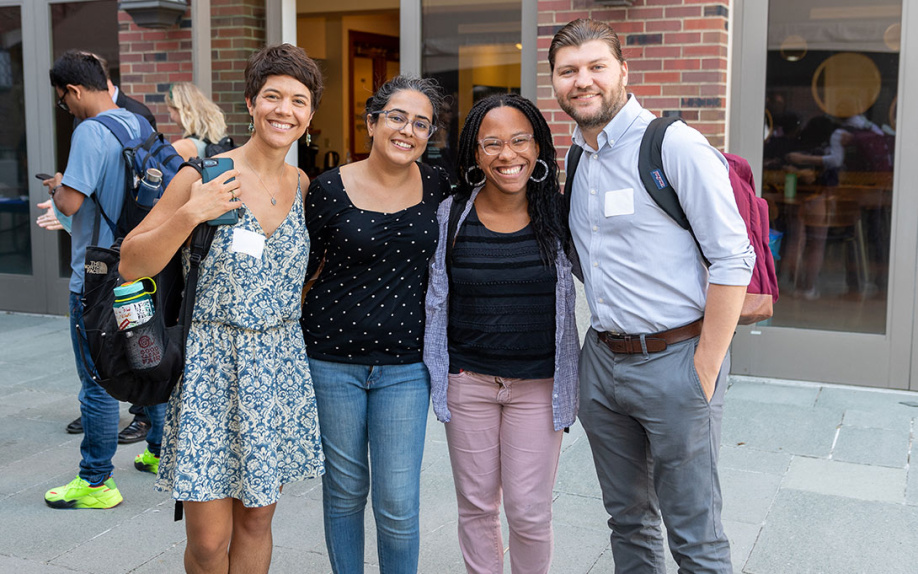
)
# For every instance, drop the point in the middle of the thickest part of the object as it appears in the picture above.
(213, 167)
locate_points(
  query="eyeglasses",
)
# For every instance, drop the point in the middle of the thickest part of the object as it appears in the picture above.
(493, 146)
(62, 104)
(396, 120)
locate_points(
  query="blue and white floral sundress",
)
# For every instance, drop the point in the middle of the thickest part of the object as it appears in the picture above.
(243, 421)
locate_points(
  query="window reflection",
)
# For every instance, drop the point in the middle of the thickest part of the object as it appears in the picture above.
(15, 239)
(832, 78)
(473, 48)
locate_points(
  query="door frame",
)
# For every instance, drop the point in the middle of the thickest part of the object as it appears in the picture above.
(885, 360)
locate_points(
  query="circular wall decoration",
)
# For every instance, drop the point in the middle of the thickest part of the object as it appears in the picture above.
(793, 48)
(846, 84)
(892, 37)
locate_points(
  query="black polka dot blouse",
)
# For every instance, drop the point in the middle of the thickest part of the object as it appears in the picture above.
(367, 307)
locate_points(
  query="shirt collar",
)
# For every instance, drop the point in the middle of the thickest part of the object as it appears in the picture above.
(614, 129)
(115, 95)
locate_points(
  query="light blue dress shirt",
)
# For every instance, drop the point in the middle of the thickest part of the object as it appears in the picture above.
(642, 272)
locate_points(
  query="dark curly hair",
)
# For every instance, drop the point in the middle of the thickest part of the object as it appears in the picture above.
(427, 86)
(283, 60)
(547, 208)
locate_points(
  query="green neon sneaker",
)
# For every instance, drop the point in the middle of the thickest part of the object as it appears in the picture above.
(146, 462)
(79, 494)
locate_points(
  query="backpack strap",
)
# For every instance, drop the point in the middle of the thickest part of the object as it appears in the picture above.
(573, 160)
(650, 168)
(118, 129)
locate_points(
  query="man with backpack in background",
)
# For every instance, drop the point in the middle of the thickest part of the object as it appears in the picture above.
(138, 428)
(653, 369)
(94, 179)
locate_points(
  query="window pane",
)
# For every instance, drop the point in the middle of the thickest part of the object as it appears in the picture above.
(472, 48)
(830, 135)
(15, 239)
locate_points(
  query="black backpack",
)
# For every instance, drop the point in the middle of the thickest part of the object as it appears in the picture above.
(149, 150)
(167, 331)
(211, 149)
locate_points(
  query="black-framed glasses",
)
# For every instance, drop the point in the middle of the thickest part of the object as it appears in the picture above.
(493, 146)
(397, 119)
(62, 104)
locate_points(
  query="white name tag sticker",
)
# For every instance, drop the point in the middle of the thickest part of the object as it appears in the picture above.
(620, 202)
(248, 242)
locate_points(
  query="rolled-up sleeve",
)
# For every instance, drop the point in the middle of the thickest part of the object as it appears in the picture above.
(699, 174)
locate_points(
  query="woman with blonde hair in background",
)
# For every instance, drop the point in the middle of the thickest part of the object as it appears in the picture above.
(201, 120)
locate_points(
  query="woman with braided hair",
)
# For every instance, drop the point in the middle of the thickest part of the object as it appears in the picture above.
(501, 339)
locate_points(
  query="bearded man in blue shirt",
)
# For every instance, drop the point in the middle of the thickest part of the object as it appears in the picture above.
(654, 366)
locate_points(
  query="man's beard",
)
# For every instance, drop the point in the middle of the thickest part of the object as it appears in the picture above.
(611, 104)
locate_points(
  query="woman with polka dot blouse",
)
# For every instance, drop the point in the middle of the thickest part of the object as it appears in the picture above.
(374, 225)
(501, 339)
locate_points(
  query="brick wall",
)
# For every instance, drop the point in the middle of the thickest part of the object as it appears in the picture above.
(151, 60)
(676, 52)
(237, 31)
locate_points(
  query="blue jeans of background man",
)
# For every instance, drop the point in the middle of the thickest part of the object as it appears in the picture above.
(100, 411)
(380, 411)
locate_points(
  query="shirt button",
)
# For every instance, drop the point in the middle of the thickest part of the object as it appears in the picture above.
(601, 300)
(595, 156)
(596, 264)
(595, 228)
(592, 192)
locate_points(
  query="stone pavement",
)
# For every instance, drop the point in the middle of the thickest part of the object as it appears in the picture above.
(816, 479)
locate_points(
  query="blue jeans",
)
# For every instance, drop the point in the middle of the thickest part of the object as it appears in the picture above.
(378, 410)
(100, 411)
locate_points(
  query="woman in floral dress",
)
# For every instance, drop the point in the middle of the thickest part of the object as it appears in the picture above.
(242, 422)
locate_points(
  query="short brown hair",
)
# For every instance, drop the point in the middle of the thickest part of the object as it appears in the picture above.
(580, 32)
(283, 60)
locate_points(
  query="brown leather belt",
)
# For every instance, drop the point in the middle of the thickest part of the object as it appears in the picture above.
(655, 342)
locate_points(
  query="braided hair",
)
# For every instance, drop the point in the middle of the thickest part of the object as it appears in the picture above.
(547, 208)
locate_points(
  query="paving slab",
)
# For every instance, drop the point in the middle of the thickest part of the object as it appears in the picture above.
(780, 428)
(848, 480)
(811, 533)
(873, 446)
(748, 496)
(892, 418)
(22, 566)
(771, 393)
(911, 488)
(576, 473)
(879, 401)
(751, 459)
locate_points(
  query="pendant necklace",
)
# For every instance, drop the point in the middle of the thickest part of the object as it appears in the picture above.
(246, 160)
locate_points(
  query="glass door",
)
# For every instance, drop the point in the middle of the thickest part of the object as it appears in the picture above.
(828, 87)
(35, 138)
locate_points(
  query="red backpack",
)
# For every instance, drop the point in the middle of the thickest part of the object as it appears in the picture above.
(762, 292)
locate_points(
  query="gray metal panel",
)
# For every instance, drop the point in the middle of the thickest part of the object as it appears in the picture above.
(529, 59)
(200, 45)
(410, 37)
(904, 255)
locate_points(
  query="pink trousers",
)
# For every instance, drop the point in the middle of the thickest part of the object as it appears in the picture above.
(501, 438)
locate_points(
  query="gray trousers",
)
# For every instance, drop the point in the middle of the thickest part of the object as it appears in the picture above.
(655, 441)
